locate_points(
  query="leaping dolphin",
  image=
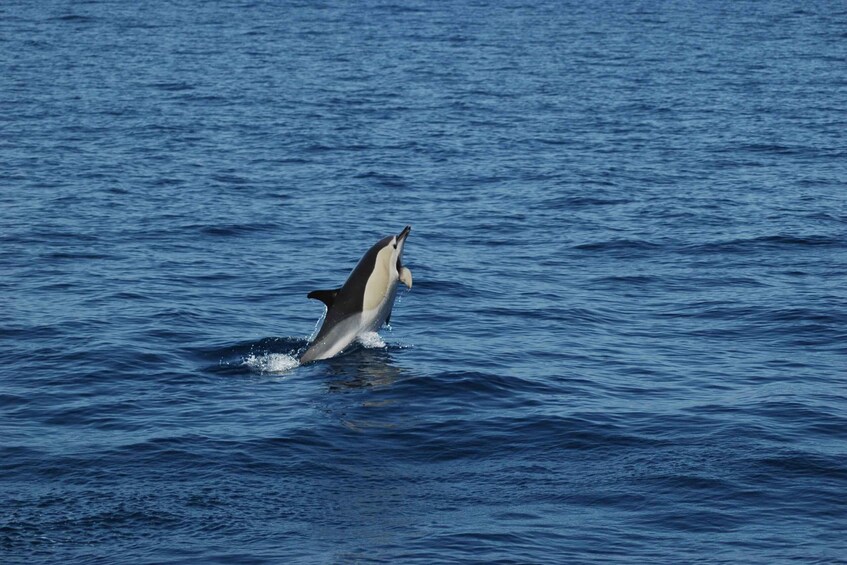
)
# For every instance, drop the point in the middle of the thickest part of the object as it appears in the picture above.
(364, 303)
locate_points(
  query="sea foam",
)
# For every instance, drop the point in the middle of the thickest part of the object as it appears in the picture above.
(371, 340)
(271, 363)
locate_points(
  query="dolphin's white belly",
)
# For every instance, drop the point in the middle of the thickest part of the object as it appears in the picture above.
(374, 319)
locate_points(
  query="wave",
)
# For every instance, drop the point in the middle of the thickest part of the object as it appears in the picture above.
(754, 244)
(618, 245)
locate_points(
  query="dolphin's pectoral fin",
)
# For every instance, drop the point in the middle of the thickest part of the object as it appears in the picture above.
(406, 277)
(325, 296)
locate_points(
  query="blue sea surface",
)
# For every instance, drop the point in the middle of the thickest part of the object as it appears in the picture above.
(627, 336)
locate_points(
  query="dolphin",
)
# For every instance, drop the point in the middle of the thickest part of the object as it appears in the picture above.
(364, 303)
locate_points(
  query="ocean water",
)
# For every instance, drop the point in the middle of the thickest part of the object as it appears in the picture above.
(626, 341)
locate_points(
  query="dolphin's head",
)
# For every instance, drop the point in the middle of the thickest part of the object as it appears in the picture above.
(387, 270)
(398, 242)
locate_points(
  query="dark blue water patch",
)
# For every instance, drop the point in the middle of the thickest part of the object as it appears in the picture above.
(620, 247)
(485, 390)
(764, 243)
(577, 202)
(454, 288)
(234, 229)
(803, 327)
(772, 149)
(76, 256)
(173, 86)
(820, 474)
(74, 19)
(381, 179)
(168, 181)
(626, 282)
(458, 440)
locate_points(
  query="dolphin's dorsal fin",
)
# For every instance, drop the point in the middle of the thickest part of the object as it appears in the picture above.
(325, 296)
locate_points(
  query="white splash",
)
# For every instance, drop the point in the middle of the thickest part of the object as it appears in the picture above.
(371, 340)
(271, 363)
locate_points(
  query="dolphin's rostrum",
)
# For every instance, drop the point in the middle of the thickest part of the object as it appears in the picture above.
(364, 303)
